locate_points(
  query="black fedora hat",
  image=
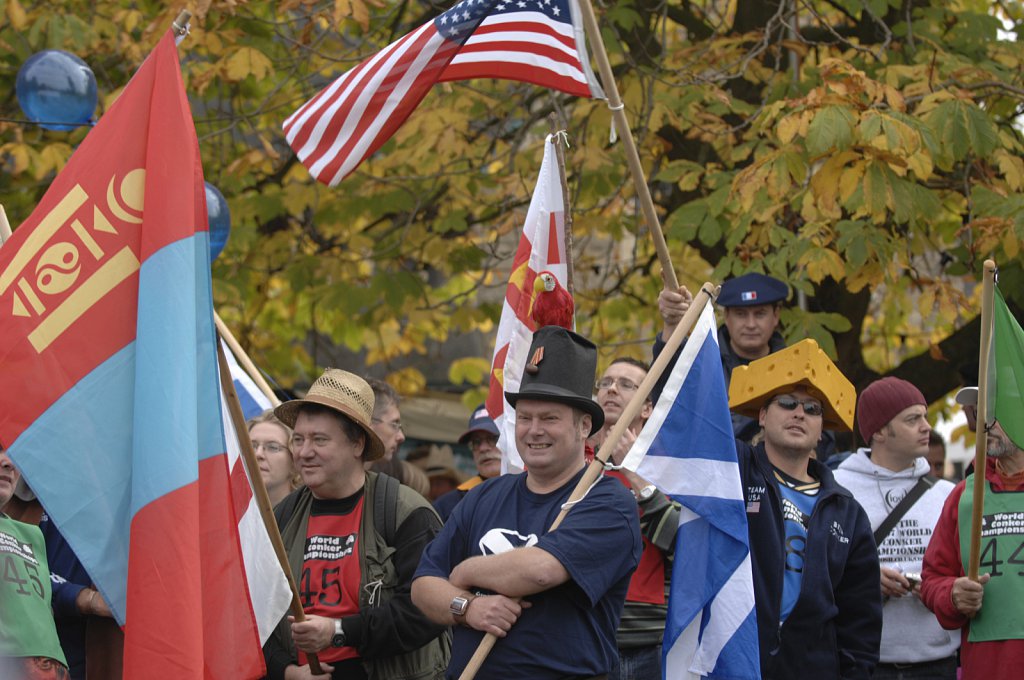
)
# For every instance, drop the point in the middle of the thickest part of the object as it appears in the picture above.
(562, 367)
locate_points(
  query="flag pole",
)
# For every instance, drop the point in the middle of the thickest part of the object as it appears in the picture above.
(5, 226)
(245, 361)
(981, 440)
(707, 293)
(632, 156)
(260, 490)
(566, 208)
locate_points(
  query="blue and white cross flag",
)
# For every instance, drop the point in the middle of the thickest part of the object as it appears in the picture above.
(687, 449)
(250, 397)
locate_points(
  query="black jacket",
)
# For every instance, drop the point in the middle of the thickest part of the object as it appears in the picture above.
(835, 628)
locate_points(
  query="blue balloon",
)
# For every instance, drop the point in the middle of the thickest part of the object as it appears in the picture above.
(57, 90)
(219, 218)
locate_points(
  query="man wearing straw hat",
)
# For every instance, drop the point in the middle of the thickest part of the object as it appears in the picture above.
(552, 597)
(353, 539)
(815, 567)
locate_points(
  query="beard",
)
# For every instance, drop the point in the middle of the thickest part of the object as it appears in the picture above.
(1000, 446)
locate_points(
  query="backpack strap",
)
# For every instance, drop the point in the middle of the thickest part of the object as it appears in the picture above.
(887, 525)
(385, 507)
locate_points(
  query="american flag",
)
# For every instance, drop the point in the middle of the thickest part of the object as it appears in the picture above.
(533, 41)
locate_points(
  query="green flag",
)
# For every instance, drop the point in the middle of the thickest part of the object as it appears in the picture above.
(1008, 339)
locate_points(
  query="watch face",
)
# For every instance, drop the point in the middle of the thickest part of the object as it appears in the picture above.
(459, 606)
(338, 640)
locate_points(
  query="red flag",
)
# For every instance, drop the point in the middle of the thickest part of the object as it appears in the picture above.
(534, 42)
(110, 405)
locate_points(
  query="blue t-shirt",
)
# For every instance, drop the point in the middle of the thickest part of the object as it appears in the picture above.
(798, 500)
(570, 629)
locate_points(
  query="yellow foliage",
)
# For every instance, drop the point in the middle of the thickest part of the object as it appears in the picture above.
(248, 61)
(789, 126)
(20, 154)
(1012, 167)
(821, 262)
(850, 180)
(16, 13)
(825, 183)
(52, 157)
(408, 381)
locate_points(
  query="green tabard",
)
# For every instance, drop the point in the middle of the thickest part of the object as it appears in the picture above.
(26, 620)
(1002, 554)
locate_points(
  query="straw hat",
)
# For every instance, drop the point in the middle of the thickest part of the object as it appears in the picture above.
(345, 393)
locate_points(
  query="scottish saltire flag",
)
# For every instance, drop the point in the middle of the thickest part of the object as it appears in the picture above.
(250, 397)
(110, 406)
(541, 247)
(687, 449)
(533, 41)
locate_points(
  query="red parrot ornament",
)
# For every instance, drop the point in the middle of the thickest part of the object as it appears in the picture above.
(553, 306)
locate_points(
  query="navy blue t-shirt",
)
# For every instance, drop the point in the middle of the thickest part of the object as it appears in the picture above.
(570, 629)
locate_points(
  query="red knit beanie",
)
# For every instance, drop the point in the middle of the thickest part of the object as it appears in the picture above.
(882, 401)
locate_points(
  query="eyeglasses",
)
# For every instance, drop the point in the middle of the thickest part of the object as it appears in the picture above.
(477, 442)
(269, 447)
(788, 403)
(395, 425)
(624, 384)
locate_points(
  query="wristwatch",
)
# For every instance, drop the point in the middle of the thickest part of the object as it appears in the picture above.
(459, 606)
(339, 634)
(645, 493)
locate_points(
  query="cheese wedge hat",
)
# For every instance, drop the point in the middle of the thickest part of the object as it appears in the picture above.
(801, 364)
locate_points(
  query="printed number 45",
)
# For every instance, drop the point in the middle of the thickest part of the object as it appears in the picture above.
(12, 575)
(330, 581)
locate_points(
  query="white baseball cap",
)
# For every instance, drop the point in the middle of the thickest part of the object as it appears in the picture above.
(967, 396)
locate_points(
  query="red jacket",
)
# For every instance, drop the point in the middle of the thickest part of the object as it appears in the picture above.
(942, 566)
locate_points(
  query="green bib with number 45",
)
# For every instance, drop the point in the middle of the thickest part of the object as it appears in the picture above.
(26, 620)
(1002, 554)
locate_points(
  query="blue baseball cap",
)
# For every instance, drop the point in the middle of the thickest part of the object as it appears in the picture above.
(480, 421)
(752, 289)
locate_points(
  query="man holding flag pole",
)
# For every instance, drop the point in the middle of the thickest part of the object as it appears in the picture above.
(982, 518)
(554, 597)
(811, 556)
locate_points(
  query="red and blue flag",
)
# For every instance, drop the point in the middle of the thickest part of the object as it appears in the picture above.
(110, 406)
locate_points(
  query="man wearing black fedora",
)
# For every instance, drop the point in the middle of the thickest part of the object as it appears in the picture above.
(554, 597)
(353, 539)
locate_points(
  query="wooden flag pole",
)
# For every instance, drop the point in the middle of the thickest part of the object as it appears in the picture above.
(981, 440)
(707, 293)
(260, 490)
(566, 208)
(632, 156)
(5, 227)
(245, 361)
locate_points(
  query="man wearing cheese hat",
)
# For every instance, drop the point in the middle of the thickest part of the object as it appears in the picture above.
(815, 566)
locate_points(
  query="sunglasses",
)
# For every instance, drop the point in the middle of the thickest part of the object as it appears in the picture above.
(788, 403)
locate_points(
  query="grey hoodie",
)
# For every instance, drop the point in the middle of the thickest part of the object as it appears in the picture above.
(910, 633)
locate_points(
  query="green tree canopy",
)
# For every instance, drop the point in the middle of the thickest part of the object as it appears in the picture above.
(866, 152)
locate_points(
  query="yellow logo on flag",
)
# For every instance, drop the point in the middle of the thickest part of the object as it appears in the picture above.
(53, 258)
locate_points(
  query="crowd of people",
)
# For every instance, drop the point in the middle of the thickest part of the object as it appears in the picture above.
(859, 559)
